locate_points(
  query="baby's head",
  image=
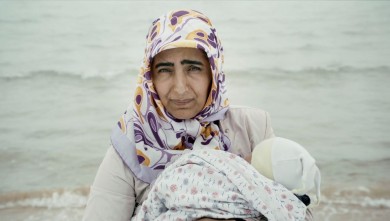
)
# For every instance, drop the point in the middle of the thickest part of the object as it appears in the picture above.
(289, 164)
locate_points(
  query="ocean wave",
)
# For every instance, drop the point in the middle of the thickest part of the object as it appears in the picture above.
(362, 202)
(331, 69)
(59, 198)
(374, 197)
(108, 75)
(384, 160)
(377, 196)
(311, 71)
(18, 20)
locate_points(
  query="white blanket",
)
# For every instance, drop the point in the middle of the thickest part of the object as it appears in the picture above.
(217, 184)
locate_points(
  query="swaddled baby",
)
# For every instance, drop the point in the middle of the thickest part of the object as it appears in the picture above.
(221, 185)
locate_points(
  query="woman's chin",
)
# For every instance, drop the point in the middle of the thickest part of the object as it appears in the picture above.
(183, 114)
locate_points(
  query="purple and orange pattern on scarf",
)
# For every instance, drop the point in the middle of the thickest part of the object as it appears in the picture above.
(147, 136)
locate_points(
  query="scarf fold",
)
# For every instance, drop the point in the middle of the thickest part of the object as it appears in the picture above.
(147, 137)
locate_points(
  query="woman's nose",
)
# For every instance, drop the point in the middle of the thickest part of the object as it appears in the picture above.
(180, 84)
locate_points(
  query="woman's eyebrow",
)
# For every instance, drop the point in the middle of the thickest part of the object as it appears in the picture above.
(185, 61)
(170, 64)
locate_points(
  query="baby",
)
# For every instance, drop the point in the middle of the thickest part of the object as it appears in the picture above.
(221, 185)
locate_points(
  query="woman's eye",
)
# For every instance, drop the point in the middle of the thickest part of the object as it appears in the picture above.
(164, 70)
(194, 68)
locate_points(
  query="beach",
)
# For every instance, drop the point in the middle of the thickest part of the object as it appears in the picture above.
(68, 72)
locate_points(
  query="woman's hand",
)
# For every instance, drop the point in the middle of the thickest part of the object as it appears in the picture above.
(248, 158)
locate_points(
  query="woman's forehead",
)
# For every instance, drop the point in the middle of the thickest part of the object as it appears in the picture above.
(177, 54)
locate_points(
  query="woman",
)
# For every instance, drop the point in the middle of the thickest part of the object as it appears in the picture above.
(180, 104)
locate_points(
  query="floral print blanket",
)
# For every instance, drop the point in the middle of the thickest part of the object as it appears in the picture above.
(217, 184)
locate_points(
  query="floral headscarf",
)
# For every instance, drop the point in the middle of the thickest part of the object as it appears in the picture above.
(147, 137)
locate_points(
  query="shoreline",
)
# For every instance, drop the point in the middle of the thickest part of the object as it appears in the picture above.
(337, 204)
(323, 212)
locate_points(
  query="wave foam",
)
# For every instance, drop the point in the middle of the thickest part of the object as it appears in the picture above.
(362, 202)
(377, 196)
(55, 199)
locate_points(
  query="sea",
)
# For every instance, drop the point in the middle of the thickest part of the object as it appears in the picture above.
(68, 70)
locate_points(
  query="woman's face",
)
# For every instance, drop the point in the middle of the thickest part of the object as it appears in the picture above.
(182, 78)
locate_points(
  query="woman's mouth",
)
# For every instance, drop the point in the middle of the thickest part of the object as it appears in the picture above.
(182, 102)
